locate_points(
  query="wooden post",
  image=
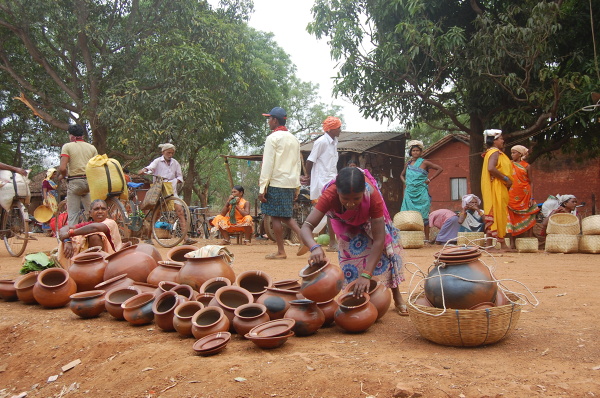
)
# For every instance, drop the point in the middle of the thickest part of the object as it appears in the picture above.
(228, 170)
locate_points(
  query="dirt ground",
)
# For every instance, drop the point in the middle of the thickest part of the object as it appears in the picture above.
(553, 352)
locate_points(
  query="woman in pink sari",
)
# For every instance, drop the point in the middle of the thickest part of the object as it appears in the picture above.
(368, 242)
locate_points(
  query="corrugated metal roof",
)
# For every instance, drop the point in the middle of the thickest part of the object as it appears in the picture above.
(349, 141)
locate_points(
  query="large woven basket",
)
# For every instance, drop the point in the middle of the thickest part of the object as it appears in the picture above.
(465, 328)
(589, 244)
(470, 238)
(527, 245)
(560, 243)
(591, 225)
(162, 233)
(564, 224)
(409, 220)
(412, 239)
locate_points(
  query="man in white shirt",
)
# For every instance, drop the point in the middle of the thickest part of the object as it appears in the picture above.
(279, 178)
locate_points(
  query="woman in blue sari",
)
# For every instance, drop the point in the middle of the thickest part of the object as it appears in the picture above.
(415, 177)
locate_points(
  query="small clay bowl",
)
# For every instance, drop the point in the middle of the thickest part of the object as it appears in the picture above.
(116, 297)
(212, 344)
(277, 327)
(88, 304)
(8, 292)
(269, 342)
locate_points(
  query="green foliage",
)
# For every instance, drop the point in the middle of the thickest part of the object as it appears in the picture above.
(36, 262)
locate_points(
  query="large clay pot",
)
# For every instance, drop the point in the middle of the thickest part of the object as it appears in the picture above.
(308, 316)
(54, 288)
(118, 282)
(256, 282)
(321, 281)
(459, 290)
(185, 291)
(136, 264)
(177, 253)
(229, 298)
(149, 250)
(88, 304)
(164, 309)
(209, 320)
(182, 317)
(8, 292)
(214, 284)
(115, 297)
(248, 316)
(87, 270)
(165, 271)
(277, 301)
(197, 270)
(24, 287)
(381, 296)
(355, 314)
(138, 309)
(329, 308)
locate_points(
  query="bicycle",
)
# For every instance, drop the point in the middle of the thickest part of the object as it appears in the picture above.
(14, 228)
(199, 228)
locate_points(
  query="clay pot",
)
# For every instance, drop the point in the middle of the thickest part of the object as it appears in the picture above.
(185, 291)
(117, 282)
(147, 288)
(214, 284)
(24, 287)
(288, 284)
(381, 296)
(459, 291)
(164, 309)
(182, 317)
(277, 301)
(329, 308)
(136, 264)
(149, 250)
(196, 271)
(88, 304)
(483, 306)
(177, 253)
(165, 286)
(205, 298)
(115, 297)
(248, 316)
(355, 314)
(256, 282)
(54, 288)
(87, 270)
(423, 301)
(229, 298)
(7, 290)
(321, 281)
(209, 320)
(501, 298)
(308, 316)
(165, 271)
(138, 309)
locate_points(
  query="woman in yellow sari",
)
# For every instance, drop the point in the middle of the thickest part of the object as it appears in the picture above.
(496, 180)
(235, 217)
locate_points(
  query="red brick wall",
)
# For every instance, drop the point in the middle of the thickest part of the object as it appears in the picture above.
(454, 158)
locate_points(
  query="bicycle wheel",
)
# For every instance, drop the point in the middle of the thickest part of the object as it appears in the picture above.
(15, 229)
(167, 228)
(205, 230)
(117, 212)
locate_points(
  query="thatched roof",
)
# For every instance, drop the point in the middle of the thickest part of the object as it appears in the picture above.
(350, 141)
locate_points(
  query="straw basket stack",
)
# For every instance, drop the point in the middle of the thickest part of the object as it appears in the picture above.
(590, 241)
(410, 224)
(526, 245)
(563, 230)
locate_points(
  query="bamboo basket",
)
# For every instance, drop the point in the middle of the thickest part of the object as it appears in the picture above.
(527, 245)
(467, 238)
(465, 328)
(591, 225)
(563, 224)
(560, 243)
(589, 244)
(412, 239)
(409, 221)
(162, 233)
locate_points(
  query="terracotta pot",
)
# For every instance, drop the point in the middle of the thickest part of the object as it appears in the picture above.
(138, 309)
(209, 320)
(256, 282)
(321, 282)
(205, 298)
(87, 270)
(277, 301)
(229, 298)
(117, 282)
(308, 316)
(165, 271)
(24, 287)
(355, 314)
(381, 296)
(177, 253)
(483, 306)
(88, 304)
(182, 317)
(185, 291)
(501, 298)
(288, 284)
(214, 284)
(54, 288)
(329, 308)
(136, 264)
(164, 309)
(147, 288)
(423, 301)
(459, 291)
(165, 286)
(115, 297)
(7, 290)
(196, 271)
(248, 316)
(149, 250)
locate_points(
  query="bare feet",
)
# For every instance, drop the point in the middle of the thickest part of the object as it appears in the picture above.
(275, 256)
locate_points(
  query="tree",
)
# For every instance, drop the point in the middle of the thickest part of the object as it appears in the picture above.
(525, 66)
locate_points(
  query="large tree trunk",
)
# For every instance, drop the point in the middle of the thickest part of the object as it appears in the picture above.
(475, 148)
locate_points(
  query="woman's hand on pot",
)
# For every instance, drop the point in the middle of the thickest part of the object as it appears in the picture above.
(361, 286)
(317, 256)
(68, 249)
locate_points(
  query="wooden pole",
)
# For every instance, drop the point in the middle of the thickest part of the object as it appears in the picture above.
(228, 170)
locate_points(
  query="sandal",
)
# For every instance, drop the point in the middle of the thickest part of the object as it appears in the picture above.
(402, 309)
(225, 242)
(275, 256)
(247, 242)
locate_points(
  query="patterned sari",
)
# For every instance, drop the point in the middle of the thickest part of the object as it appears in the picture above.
(416, 194)
(521, 213)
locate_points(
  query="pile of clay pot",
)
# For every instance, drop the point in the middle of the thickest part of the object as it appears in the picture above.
(201, 297)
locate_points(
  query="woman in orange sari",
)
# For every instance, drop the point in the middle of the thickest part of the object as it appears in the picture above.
(235, 217)
(522, 209)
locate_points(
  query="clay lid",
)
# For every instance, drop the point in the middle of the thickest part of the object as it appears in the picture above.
(278, 327)
(212, 343)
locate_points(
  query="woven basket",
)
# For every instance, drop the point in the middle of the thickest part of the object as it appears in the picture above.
(409, 221)
(589, 244)
(591, 225)
(563, 224)
(467, 238)
(527, 245)
(465, 328)
(412, 239)
(560, 243)
(162, 233)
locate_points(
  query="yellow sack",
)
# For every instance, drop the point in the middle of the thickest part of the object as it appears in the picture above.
(105, 177)
(167, 190)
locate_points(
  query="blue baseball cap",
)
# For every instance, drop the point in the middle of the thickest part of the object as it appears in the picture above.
(277, 112)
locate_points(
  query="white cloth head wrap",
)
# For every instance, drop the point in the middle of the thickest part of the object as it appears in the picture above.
(492, 133)
(164, 147)
(468, 198)
(418, 143)
(564, 198)
(521, 149)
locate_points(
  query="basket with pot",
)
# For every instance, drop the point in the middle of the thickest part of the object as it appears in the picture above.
(409, 220)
